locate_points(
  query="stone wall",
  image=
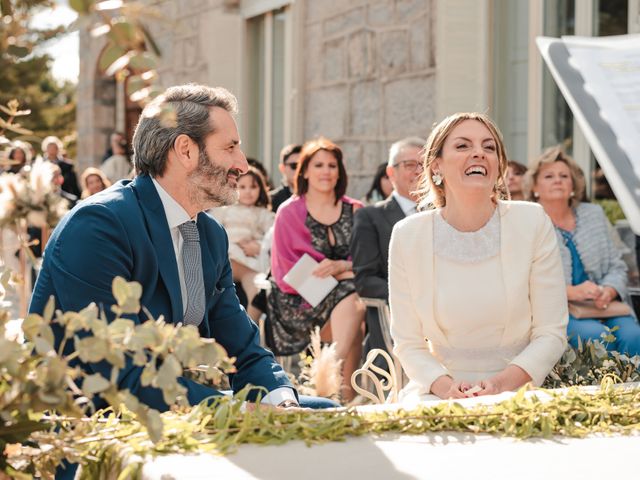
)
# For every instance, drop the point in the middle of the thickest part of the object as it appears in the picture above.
(185, 33)
(369, 72)
(369, 77)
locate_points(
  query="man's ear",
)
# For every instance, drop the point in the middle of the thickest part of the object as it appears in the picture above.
(390, 172)
(186, 151)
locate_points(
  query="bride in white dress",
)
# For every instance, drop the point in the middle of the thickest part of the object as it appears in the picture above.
(476, 286)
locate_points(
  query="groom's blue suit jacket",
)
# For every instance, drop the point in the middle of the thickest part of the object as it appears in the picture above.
(123, 231)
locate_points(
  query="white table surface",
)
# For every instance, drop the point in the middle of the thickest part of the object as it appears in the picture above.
(447, 455)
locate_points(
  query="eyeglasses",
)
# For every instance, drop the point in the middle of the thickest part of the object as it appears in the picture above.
(292, 165)
(411, 165)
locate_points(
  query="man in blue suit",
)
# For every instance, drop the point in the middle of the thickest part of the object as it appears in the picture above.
(185, 165)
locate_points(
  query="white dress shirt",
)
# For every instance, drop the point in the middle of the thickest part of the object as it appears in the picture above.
(176, 215)
(407, 205)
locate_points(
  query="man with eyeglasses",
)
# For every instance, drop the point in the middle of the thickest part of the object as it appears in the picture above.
(372, 231)
(288, 165)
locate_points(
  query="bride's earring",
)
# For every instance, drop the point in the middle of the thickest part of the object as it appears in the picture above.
(437, 179)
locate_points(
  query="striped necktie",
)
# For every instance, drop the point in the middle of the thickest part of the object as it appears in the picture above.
(193, 278)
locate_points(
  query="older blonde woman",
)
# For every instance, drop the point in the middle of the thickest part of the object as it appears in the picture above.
(476, 287)
(593, 266)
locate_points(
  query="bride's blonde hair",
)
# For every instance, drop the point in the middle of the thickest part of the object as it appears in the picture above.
(433, 196)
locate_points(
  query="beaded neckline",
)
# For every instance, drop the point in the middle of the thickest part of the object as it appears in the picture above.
(467, 247)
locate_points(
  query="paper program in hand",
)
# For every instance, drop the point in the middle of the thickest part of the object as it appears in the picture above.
(313, 289)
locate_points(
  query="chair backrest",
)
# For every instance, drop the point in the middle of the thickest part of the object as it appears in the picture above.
(384, 317)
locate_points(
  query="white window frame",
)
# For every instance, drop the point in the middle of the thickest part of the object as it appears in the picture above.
(584, 12)
(293, 71)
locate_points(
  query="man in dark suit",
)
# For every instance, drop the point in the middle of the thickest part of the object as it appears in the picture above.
(372, 228)
(153, 230)
(51, 151)
(288, 164)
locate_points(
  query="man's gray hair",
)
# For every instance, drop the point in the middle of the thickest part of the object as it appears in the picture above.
(183, 109)
(397, 147)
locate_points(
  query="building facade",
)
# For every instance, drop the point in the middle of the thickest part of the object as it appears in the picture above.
(363, 73)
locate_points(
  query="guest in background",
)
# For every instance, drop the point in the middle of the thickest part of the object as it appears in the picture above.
(372, 228)
(58, 182)
(593, 267)
(515, 176)
(117, 166)
(257, 164)
(18, 157)
(246, 223)
(289, 156)
(115, 137)
(380, 188)
(52, 151)
(93, 180)
(475, 283)
(317, 221)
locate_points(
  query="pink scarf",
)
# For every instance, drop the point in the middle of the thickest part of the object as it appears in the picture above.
(292, 239)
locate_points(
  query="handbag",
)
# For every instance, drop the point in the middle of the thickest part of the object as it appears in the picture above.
(588, 309)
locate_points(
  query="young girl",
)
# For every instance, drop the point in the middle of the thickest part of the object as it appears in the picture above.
(246, 223)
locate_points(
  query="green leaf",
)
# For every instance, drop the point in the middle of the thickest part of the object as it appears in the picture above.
(154, 425)
(95, 383)
(134, 84)
(49, 309)
(109, 55)
(142, 61)
(19, 432)
(91, 349)
(18, 51)
(122, 32)
(168, 372)
(32, 325)
(148, 374)
(127, 295)
(42, 346)
(81, 6)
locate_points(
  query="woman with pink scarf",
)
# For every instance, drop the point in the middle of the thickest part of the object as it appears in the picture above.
(317, 221)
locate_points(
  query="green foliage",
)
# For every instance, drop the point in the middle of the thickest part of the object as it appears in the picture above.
(39, 389)
(612, 210)
(222, 426)
(130, 53)
(29, 198)
(590, 363)
(25, 75)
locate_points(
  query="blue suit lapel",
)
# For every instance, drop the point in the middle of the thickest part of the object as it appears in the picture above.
(161, 237)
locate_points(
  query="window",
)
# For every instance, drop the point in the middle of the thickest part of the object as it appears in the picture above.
(267, 86)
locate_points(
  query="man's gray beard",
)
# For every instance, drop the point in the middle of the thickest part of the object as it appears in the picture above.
(208, 185)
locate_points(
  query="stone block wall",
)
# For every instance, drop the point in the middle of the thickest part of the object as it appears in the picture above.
(185, 33)
(369, 77)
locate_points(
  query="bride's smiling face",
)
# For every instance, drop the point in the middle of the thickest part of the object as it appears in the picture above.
(469, 159)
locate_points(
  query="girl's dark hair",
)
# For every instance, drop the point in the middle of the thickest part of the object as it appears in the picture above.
(519, 168)
(263, 198)
(376, 186)
(309, 149)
